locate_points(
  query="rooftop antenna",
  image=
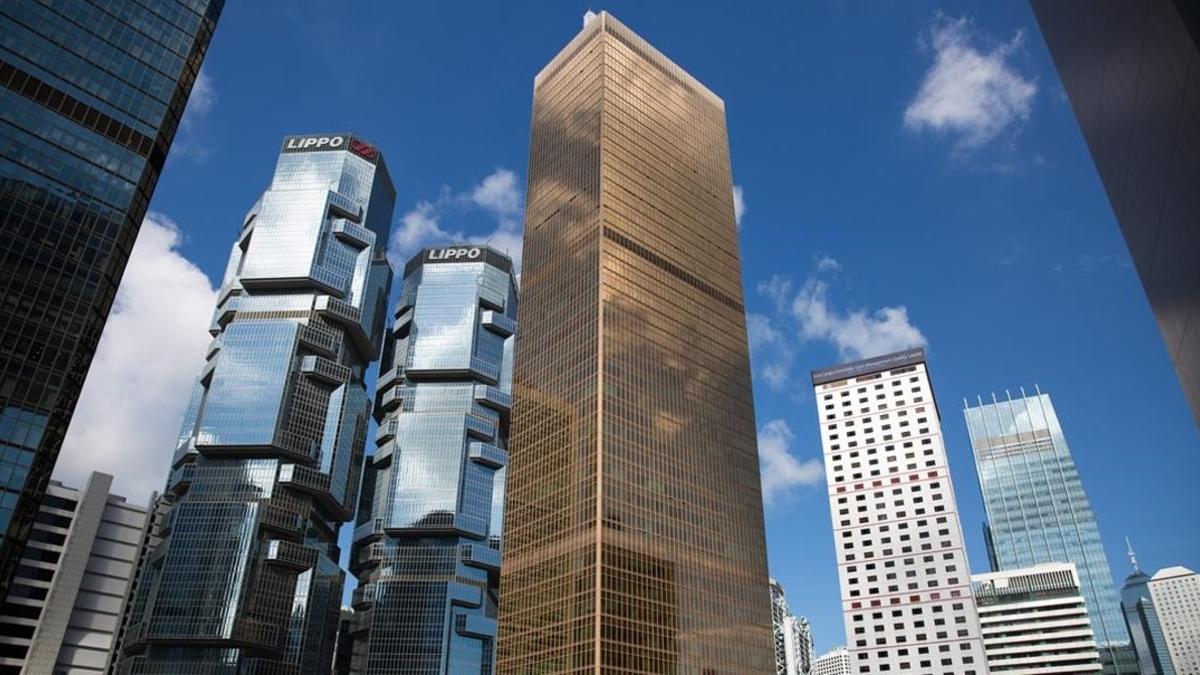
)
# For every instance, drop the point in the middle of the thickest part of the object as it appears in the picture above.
(1132, 555)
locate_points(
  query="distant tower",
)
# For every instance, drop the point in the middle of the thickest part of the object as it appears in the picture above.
(1145, 630)
(1037, 510)
(900, 554)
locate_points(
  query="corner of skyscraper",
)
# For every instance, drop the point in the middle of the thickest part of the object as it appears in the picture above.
(244, 576)
(634, 528)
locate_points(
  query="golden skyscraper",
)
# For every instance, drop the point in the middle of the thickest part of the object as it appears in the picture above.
(634, 529)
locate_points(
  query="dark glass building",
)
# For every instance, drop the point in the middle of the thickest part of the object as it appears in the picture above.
(1132, 73)
(427, 541)
(91, 94)
(244, 577)
(633, 535)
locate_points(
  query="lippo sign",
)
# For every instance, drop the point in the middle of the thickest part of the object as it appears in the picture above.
(331, 142)
(314, 143)
(454, 254)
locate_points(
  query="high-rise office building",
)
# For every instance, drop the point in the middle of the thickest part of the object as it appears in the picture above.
(1130, 71)
(91, 94)
(905, 582)
(1145, 630)
(427, 541)
(633, 528)
(792, 634)
(246, 577)
(64, 606)
(1176, 595)
(1034, 621)
(834, 662)
(1038, 512)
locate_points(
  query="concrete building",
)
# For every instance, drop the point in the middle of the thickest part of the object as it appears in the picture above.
(1176, 595)
(1141, 619)
(792, 635)
(65, 605)
(1034, 621)
(905, 581)
(834, 662)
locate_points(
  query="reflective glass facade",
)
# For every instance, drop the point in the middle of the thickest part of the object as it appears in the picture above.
(91, 94)
(633, 526)
(1132, 73)
(1037, 511)
(244, 577)
(427, 542)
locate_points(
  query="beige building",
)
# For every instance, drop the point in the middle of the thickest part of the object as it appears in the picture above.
(634, 529)
(1176, 595)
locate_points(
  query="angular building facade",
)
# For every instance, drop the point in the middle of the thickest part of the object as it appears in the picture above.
(1034, 621)
(91, 95)
(792, 635)
(64, 608)
(905, 581)
(633, 527)
(246, 577)
(427, 537)
(1132, 73)
(1037, 510)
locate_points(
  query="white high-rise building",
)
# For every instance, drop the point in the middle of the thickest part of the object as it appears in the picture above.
(905, 582)
(64, 608)
(1034, 621)
(1176, 595)
(835, 662)
(793, 636)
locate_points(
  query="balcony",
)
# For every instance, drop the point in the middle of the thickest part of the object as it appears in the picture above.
(341, 205)
(498, 323)
(494, 398)
(325, 370)
(479, 555)
(372, 529)
(487, 455)
(350, 318)
(290, 555)
(355, 235)
(318, 340)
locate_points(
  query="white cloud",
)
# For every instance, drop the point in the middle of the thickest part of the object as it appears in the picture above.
(739, 204)
(152, 349)
(781, 470)
(201, 101)
(858, 333)
(968, 93)
(825, 263)
(769, 347)
(498, 195)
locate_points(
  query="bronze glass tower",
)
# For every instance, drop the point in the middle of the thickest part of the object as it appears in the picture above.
(634, 530)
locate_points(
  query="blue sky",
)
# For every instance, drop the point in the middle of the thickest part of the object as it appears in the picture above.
(910, 172)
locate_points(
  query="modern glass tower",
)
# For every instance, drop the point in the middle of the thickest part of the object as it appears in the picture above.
(1037, 511)
(91, 94)
(633, 528)
(246, 578)
(1141, 618)
(427, 541)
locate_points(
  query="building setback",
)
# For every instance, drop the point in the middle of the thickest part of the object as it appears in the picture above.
(905, 582)
(1038, 512)
(427, 541)
(1132, 73)
(1034, 621)
(1176, 595)
(92, 93)
(64, 607)
(245, 576)
(633, 528)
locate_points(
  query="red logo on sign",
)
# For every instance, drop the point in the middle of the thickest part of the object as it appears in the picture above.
(363, 149)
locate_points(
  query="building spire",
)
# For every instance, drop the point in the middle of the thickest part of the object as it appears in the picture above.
(1132, 555)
